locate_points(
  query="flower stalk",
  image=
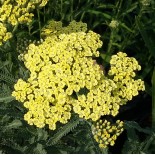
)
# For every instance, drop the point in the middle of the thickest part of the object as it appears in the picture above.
(153, 100)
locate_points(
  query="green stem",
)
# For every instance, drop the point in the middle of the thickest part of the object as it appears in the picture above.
(149, 142)
(14, 29)
(29, 29)
(39, 23)
(82, 16)
(61, 10)
(153, 100)
(6, 98)
(110, 45)
(71, 11)
(134, 28)
(119, 8)
(110, 41)
(44, 14)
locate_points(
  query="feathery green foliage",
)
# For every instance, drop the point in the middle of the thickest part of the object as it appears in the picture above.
(127, 26)
(63, 131)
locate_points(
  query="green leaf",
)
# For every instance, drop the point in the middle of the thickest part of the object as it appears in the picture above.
(135, 125)
(42, 134)
(11, 113)
(7, 99)
(15, 124)
(126, 27)
(63, 131)
(130, 9)
(149, 41)
(103, 6)
(106, 57)
(97, 13)
(7, 78)
(39, 149)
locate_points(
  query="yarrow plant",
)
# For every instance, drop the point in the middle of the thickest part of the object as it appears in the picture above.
(15, 12)
(65, 79)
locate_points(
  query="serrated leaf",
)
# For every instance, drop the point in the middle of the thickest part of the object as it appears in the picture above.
(11, 113)
(42, 134)
(39, 149)
(63, 131)
(7, 99)
(7, 77)
(14, 124)
(135, 125)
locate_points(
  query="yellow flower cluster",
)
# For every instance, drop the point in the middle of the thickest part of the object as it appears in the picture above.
(18, 11)
(4, 35)
(99, 101)
(105, 95)
(64, 78)
(59, 66)
(123, 72)
(46, 106)
(106, 133)
(56, 27)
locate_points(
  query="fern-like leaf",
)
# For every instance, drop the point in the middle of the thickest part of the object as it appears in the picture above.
(6, 98)
(133, 144)
(11, 113)
(85, 142)
(63, 131)
(12, 147)
(5, 93)
(39, 149)
(135, 125)
(8, 78)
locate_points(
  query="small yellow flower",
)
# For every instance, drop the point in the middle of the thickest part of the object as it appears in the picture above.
(107, 133)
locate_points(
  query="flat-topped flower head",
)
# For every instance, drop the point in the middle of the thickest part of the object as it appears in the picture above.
(19, 11)
(123, 70)
(65, 79)
(59, 66)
